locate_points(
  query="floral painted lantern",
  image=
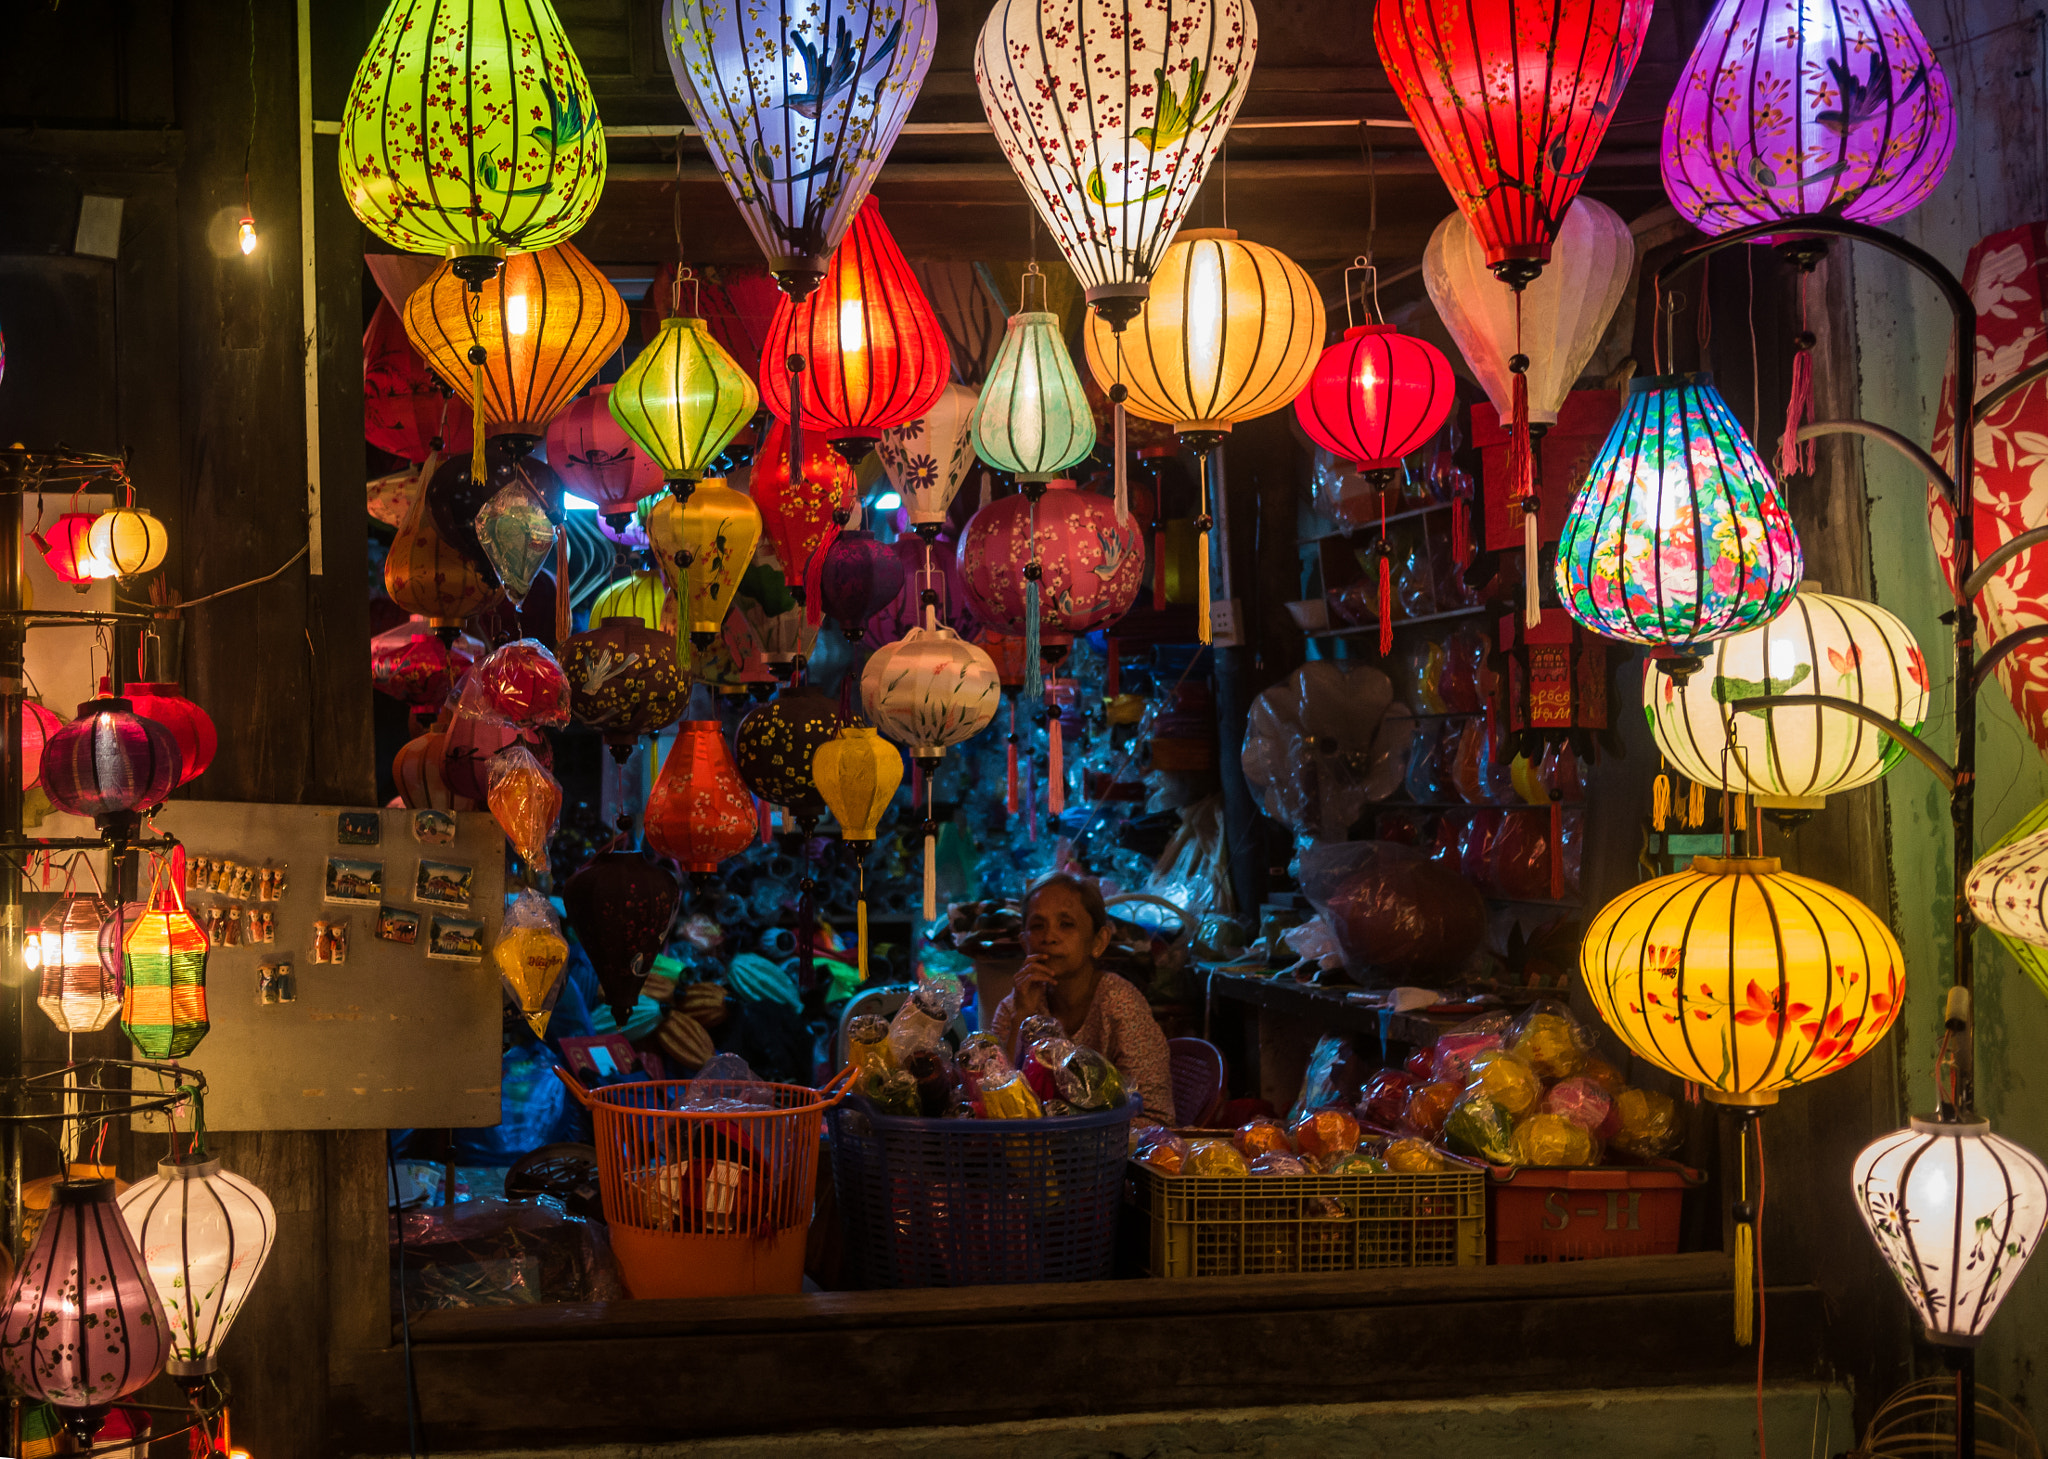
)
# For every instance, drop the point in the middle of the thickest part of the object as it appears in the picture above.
(76, 990)
(517, 163)
(703, 545)
(204, 1234)
(620, 906)
(1792, 757)
(1511, 102)
(83, 1327)
(596, 459)
(798, 512)
(1787, 109)
(872, 350)
(857, 772)
(1092, 565)
(1679, 535)
(682, 400)
(927, 459)
(699, 812)
(406, 410)
(831, 81)
(776, 743)
(1144, 95)
(624, 681)
(163, 998)
(110, 763)
(860, 577)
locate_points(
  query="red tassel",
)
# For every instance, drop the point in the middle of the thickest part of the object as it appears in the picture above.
(1461, 529)
(1031, 801)
(1521, 463)
(1055, 768)
(761, 809)
(1795, 455)
(1556, 848)
(1386, 604)
(1010, 800)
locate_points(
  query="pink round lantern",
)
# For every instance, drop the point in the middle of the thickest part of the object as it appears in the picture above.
(596, 460)
(190, 726)
(37, 725)
(413, 666)
(1092, 564)
(417, 771)
(110, 762)
(859, 578)
(1375, 396)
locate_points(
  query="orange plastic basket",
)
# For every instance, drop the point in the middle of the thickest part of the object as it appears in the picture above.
(708, 1202)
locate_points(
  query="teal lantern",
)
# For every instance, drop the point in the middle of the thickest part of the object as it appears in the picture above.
(1679, 535)
(1033, 418)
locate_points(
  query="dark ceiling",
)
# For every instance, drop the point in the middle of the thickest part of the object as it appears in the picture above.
(1301, 188)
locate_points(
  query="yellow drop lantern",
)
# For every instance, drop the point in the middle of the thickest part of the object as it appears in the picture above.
(641, 595)
(126, 542)
(703, 545)
(683, 399)
(858, 772)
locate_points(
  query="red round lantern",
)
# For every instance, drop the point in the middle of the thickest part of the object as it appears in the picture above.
(699, 812)
(874, 354)
(64, 548)
(413, 666)
(404, 407)
(190, 726)
(796, 515)
(1511, 102)
(1376, 395)
(858, 579)
(37, 725)
(110, 762)
(1092, 565)
(522, 682)
(596, 460)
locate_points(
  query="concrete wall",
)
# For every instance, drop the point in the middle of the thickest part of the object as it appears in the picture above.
(1992, 52)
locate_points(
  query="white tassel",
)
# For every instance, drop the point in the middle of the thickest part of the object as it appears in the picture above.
(988, 489)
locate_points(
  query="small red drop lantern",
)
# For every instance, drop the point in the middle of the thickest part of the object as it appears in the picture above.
(1376, 395)
(699, 813)
(797, 515)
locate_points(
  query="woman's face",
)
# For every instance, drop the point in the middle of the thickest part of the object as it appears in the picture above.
(1058, 932)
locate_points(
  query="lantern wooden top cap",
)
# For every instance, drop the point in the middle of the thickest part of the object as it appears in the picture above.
(188, 1168)
(1975, 1127)
(1737, 865)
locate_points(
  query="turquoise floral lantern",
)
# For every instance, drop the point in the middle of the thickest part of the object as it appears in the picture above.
(1679, 536)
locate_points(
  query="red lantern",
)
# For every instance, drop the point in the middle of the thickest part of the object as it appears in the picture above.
(1375, 396)
(190, 726)
(874, 354)
(699, 812)
(598, 461)
(37, 725)
(797, 515)
(522, 682)
(110, 762)
(413, 666)
(620, 906)
(858, 578)
(64, 548)
(475, 736)
(404, 405)
(1511, 102)
(1092, 565)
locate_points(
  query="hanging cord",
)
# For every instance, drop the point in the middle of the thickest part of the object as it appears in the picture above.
(1795, 455)
(412, 1391)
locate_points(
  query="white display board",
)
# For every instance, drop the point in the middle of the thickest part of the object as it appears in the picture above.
(398, 1034)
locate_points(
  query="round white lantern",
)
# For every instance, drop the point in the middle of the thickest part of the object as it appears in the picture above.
(1791, 758)
(1955, 1211)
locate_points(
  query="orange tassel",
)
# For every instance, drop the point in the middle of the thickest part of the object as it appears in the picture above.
(1521, 463)
(1055, 768)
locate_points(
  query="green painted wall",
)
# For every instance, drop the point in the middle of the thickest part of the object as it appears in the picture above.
(1996, 181)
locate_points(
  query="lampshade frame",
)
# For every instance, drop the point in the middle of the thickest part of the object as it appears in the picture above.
(1956, 1212)
(683, 399)
(1032, 417)
(204, 1234)
(1636, 572)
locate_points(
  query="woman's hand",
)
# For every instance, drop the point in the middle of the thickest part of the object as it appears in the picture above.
(1032, 988)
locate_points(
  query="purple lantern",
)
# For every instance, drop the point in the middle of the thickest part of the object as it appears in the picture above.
(84, 1327)
(935, 566)
(1787, 108)
(858, 578)
(110, 762)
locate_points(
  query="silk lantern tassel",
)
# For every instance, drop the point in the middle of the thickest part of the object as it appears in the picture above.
(931, 855)
(1746, 1213)
(1055, 768)
(1034, 682)
(860, 916)
(1010, 796)
(476, 385)
(1795, 455)
(1386, 597)
(1204, 632)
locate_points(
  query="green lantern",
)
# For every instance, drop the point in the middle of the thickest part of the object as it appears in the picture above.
(1033, 418)
(470, 131)
(683, 399)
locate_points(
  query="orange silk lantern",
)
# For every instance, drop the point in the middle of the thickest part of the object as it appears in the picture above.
(699, 812)
(426, 574)
(797, 515)
(526, 802)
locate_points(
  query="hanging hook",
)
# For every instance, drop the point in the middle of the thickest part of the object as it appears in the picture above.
(684, 274)
(1363, 264)
(1031, 271)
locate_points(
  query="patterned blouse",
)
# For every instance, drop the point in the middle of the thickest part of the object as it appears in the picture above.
(1120, 1027)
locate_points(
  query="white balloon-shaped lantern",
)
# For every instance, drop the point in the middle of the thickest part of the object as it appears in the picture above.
(204, 1234)
(928, 459)
(1955, 1211)
(1792, 757)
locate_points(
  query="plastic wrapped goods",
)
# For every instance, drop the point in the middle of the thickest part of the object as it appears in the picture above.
(1324, 1134)
(1456, 1048)
(1039, 1063)
(1603, 1074)
(1482, 1129)
(1649, 1124)
(1088, 1081)
(1545, 1139)
(1549, 1040)
(525, 801)
(867, 1044)
(1430, 1105)
(1581, 1101)
(522, 684)
(1386, 1096)
(1415, 1157)
(1214, 1157)
(893, 1092)
(1010, 1099)
(1165, 1152)
(1337, 1070)
(531, 953)
(937, 1085)
(1259, 1137)
(1507, 1081)
(1401, 918)
(922, 1020)
(1278, 1162)
(1039, 1026)
(1356, 1162)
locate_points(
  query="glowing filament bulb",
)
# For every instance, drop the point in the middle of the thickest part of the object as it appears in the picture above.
(515, 313)
(246, 236)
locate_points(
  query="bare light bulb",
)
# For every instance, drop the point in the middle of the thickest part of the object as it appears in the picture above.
(515, 314)
(246, 236)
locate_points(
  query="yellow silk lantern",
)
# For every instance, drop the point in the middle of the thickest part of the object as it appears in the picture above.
(126, 542)
(641, 595)
(1742, 977)
(857, 771)
(1232, 331)
(702, 546)
(683, 399)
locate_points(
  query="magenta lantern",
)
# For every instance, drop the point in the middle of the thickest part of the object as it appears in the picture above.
(1092, 564)
(190, 726)
(37, 725)
(413, 666)
(1376, 395)
(83, 1326)
(859, 578)
(596, 459)
(1787, 108)
(475, 735)
(110, 762)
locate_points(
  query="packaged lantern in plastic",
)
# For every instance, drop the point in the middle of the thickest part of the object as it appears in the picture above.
(1324, 1134)
(1550, 1041)
(522, 683)
(1603, 1074)
(1260, 1136)
(1038, 1061)
(1456, 1049)
(1415, 1157)
(1507, 1081)
(525, 801)
(1386, 1097)
(531, 954)
(1545, 1139)
(1214, 1157)
(1356, 1162)
(937, 1081)
(1088, 1081)
(922, 1020)
(893, 1092)
(1581, 1101)
(1164, 1151)
(1649, 1124)
(1430, 1105)
(1010, 1099)
(1482, 1129)
(867, 1044)
(516, 535)
(1278, 1162)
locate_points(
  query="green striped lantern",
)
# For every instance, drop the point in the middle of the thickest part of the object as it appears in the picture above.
(1033, 419)
(163, 996)
(683, 399)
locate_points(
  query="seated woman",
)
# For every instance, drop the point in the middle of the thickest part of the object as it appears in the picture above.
(1066, 928)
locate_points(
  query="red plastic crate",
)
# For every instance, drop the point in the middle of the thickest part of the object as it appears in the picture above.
(1536, 1215)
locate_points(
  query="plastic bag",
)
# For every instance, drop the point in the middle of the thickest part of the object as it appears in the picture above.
(1482, 1129)
(1336, 1071)
(1547, 1139)
(1549, 1040)
(1315, 941)
(413, 666)
(1583, 1102)
(1649, 1124)
(1214, 1157)
(531, 954)
(516, 536)
(1386, 1097)
(1310, 745)
(1505, 1080)
(1010, 1099)
(494, 1253)
(1259, 1137)
(921, 1022)
(867, 1044)
(1415, 1157)
(522, 683)
(1456, 1048)
(1429, 1105)
(1278, 1162)
(1039, 1062)
(1324, 1134)
(526, 802)
(1164, 1151)
(1088, 1081)
(1399, 918)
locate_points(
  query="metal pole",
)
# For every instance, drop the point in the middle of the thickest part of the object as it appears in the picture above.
(13, 637)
